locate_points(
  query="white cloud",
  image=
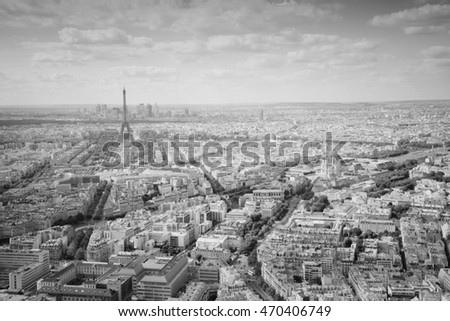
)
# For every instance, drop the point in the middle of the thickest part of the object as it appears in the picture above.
(56, 77)
(263, 61)
(337, 53)
(140, 41)
(238, 42)
(3, 77)
(81, 54)
(225, 73)
(424, 30)
(195, 16)
(437, 58)
(100, 36)
(79, 46)
(180, 47)
(437, 52)
(61, 57)
(24, 13)
(213, 17)
(77, 36)
(429, 18)
(313, 39)
(142, 71)
(266, 42)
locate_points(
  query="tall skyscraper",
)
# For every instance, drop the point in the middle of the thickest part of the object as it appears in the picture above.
(261, 115)
(141, 110)
(149, 110)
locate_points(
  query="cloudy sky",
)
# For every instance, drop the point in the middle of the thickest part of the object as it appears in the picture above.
(223, 51)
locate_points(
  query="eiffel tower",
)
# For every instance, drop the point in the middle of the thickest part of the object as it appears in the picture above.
(125, 129)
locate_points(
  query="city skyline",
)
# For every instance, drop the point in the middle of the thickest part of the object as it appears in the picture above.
(204, 52)
(224, 150)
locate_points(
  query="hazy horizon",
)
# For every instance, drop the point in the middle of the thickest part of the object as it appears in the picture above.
(249, 104)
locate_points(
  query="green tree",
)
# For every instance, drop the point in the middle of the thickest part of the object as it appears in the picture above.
(256, 218)
(356, 231)
(80, 255)
(249, 244)
(360, 245)
(318, 203)
(253, 258)
(71, 220)
(79, 217)
(347, 242)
